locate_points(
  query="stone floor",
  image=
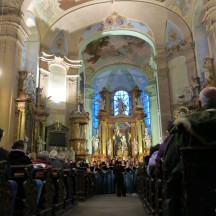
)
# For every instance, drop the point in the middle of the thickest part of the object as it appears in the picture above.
(109, 205)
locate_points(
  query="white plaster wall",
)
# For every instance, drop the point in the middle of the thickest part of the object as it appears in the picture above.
(178, 77)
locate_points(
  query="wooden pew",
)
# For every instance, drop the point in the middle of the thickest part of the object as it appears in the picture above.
(199, 180)
(5, 191)
(26, 199)
(46, 200)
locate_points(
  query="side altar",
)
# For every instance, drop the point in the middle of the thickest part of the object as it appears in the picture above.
(121, 131)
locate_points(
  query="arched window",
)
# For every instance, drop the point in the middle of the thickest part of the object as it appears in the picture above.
(121, 104)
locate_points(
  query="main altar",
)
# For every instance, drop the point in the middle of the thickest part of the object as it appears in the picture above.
(121, 131)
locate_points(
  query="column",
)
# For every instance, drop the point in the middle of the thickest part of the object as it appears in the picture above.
(162, 88)
(89, 93)
(133, 140)
(139, 136)
(155, 115)
(104, 137)
(13, 33)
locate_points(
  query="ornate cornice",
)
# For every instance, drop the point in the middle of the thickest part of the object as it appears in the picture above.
(13, 28)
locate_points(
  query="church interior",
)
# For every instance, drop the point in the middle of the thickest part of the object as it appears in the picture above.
(101, 79)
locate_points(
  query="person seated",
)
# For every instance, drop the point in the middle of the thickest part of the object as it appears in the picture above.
(17, 156)
(151, 167)
(42, 160)
(53, 160)
(192, 130)
(12, 184)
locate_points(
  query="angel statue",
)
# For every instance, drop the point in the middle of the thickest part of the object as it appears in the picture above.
(95, 143)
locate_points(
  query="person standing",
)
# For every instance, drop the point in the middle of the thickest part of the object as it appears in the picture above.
(119, 179)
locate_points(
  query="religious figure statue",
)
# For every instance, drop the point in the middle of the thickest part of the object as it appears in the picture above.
(122, 147)
(138, 103)
(147, 139)
(102, 104)
(121, 106)
(135, 143)
(109, 147)
(40, 144)
(95, 143)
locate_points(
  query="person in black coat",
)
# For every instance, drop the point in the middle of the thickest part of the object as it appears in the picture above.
(119, 179)
(12, 184)
(17, 156)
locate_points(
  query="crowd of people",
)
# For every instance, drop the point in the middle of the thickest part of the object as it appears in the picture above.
(111, 176)
(190, 129)
(119, 176)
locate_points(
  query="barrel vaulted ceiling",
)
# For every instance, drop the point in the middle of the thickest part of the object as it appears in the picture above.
(90, 18)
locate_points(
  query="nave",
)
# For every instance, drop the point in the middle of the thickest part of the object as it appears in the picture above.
(109, 205)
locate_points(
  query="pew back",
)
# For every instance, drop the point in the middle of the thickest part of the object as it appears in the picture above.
(199, 180)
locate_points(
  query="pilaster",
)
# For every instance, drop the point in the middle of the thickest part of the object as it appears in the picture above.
(13, 31)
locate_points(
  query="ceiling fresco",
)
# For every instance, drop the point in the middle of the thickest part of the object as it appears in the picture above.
(117, 50)
(115, 22)
(119, 77)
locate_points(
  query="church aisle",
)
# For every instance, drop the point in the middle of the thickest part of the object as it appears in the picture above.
(109, 205)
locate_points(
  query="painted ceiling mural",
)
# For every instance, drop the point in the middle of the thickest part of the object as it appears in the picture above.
(117, 77)
(115, 22)
(117, 50)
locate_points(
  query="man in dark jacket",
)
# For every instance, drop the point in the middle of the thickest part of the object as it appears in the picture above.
(12, 184)
(119, 179)
(193, 130)
(17, 156)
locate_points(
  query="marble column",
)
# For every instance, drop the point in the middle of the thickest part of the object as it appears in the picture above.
(90, 92)
(155, 114)
(163, 88)
(13, 33)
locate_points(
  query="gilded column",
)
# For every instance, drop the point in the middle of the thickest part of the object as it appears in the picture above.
(100, 138)
(104, 140)
(110, 140)
(139, 132)
(133, 140)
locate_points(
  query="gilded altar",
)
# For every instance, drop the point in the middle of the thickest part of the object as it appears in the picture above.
(121, 132)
